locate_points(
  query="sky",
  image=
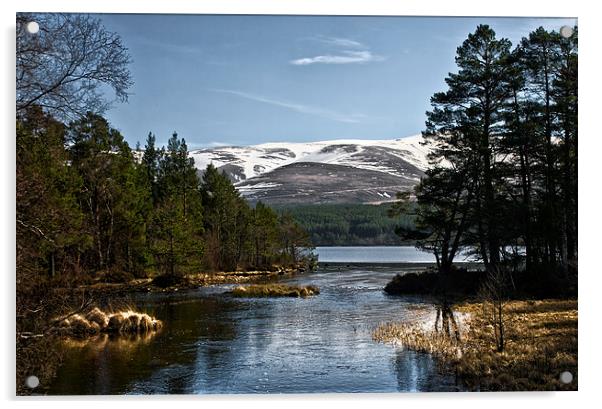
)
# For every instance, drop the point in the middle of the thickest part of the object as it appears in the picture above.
(243, 80)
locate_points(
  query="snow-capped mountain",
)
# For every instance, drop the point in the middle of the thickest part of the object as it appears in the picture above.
(335, 171)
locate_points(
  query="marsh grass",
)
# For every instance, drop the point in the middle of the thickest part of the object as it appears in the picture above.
(97, 321)
(541, 343)
(274, 290)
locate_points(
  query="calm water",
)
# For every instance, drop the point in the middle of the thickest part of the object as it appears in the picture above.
(373, 254)
(213, 343)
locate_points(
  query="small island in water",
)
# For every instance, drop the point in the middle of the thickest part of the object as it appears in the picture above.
(274, 290)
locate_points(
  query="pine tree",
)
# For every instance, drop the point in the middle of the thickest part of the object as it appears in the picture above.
(294, 240)
(264, 234)
(150, 162)
(223, 207)
(110, 197)
(539, 60)
(445, 198)
(48, 218)
(564, 95)
(466, 127)
(177, 222)
(504, 160)
(543, 122)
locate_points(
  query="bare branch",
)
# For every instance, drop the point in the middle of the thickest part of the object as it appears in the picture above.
(68, 67)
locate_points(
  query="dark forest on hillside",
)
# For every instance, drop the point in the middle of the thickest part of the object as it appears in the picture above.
(350, 224)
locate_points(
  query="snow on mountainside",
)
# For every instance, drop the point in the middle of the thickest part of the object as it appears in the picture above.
(257, 159)
(344, 170)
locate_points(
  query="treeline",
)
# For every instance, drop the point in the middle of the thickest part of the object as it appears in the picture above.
(87, 204)
(504, 175)
(350, 224)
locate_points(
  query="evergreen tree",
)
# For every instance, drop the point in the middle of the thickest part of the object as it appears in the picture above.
(540, 58)
(110, 196)
(264, 234)
(294, 239)
(466, 127)
(520, 150)
(546, 122)
(150, 163)
(564, 94)
(445, 198)
(223, 207)
(504, 160)
(177, 222)
(48, 218)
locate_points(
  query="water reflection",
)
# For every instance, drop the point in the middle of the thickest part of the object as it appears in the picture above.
(111, 365)
(213, 343)
(419, 372)
(102, 341)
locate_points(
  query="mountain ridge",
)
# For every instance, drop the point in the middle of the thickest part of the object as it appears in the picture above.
(331, 171)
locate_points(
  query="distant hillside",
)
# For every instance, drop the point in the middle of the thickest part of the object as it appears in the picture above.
(348, 224)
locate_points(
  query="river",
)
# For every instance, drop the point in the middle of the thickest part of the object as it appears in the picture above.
(214, 343)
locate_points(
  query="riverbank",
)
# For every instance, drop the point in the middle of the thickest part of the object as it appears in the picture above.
(190, 281)
(468, 280)
(541, 343)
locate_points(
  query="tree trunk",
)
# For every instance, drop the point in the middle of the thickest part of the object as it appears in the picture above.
(52, 267)
(500, 320)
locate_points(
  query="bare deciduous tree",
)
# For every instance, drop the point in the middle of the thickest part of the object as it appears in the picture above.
(70, 66)
(495, 293)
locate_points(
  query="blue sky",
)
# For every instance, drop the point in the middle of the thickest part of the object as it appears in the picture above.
(241, 80)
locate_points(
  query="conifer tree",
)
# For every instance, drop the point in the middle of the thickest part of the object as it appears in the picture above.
(223, 207)
(466, 127)
(109, 196)
(264, 236)
(565, 97)
(295, 240)
(177, 222)
(48, 218)
(504, 159)
(150, 163)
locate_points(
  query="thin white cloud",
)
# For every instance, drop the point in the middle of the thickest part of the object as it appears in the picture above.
(340, 42)
(169, 47)
(305, 109)
(346, 57)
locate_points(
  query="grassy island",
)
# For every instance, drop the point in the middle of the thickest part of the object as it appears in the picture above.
(275, 290)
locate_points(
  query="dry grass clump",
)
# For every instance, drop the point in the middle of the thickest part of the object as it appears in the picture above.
(541, 343)
(274, 290)
(96, 322)
(416, 338)
(98, 317)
